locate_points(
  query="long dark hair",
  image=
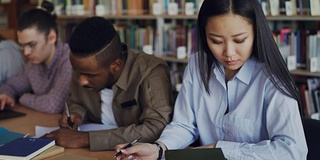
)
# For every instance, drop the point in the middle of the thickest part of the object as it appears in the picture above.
(42, 18)
(265, 50)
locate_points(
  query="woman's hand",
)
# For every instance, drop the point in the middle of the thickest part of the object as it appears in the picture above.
(139, 151)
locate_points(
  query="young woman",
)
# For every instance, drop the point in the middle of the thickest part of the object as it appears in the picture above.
(44, 83)
(237, 93)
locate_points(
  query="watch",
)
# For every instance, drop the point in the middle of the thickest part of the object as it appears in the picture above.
(160, 149)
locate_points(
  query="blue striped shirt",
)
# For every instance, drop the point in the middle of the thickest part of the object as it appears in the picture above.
(11, 60)
(262, 123)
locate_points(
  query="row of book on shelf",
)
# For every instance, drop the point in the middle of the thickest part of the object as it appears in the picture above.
(138, 7)
(309, 92)
(290, 7)
(126, 7)
(178, 40)
(300, 48)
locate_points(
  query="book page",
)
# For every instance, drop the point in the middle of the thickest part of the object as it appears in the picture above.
(69, 156)
(54, 150)
(95, 127)
(40, 130)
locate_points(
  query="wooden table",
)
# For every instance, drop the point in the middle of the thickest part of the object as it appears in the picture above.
(26, 125)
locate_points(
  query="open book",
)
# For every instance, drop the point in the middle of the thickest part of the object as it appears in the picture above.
(41, 130)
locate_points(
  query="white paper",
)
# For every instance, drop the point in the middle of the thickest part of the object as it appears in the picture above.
(95, 127)
(41, 130)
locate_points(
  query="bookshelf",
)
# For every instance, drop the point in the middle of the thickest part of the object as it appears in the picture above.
(9, 13)
(305, 28)
(301, 72)
(161, 21)
(126, 16)
(157, 22)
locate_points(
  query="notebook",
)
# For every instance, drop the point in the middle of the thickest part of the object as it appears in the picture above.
(25, 148)
(195, 154)
(7, 136)
(8, 113)
(54, 150)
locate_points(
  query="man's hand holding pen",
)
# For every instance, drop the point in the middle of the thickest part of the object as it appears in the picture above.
(75, 118)
(70, 123)
(67, 136)
(70, 120)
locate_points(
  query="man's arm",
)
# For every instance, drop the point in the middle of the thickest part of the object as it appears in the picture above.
(16, 86)
(157, 102)
(54, 100)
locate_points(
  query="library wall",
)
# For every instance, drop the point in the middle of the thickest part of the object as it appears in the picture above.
(166, 28)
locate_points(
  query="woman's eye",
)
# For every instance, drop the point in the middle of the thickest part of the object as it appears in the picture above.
(240, 41)
(216, 42)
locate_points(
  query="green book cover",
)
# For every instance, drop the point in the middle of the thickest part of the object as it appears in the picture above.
(7, 136)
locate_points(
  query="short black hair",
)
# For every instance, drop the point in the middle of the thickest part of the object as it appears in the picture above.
(96, 36)
(91, 35)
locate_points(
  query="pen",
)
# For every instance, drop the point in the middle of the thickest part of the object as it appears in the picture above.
(127, 146)
(68, 114)
(26, 135)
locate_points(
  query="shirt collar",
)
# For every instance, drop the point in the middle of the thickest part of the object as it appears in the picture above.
(122, 82)
(244, 74)
(246, 71)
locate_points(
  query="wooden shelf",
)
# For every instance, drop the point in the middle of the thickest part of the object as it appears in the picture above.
(174, 59)
(301, 72)
(181, 16)
(298, 72)
(293, 18)
(135, 17)
(125, 17)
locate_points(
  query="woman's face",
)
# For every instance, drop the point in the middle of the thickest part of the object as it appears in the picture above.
(230, 38)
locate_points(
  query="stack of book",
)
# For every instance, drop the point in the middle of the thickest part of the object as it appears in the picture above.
(19, 146)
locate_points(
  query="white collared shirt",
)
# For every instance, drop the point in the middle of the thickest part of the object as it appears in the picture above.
(107, 116)
(262, 123)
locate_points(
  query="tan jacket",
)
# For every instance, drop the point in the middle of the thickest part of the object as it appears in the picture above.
(142, 102)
